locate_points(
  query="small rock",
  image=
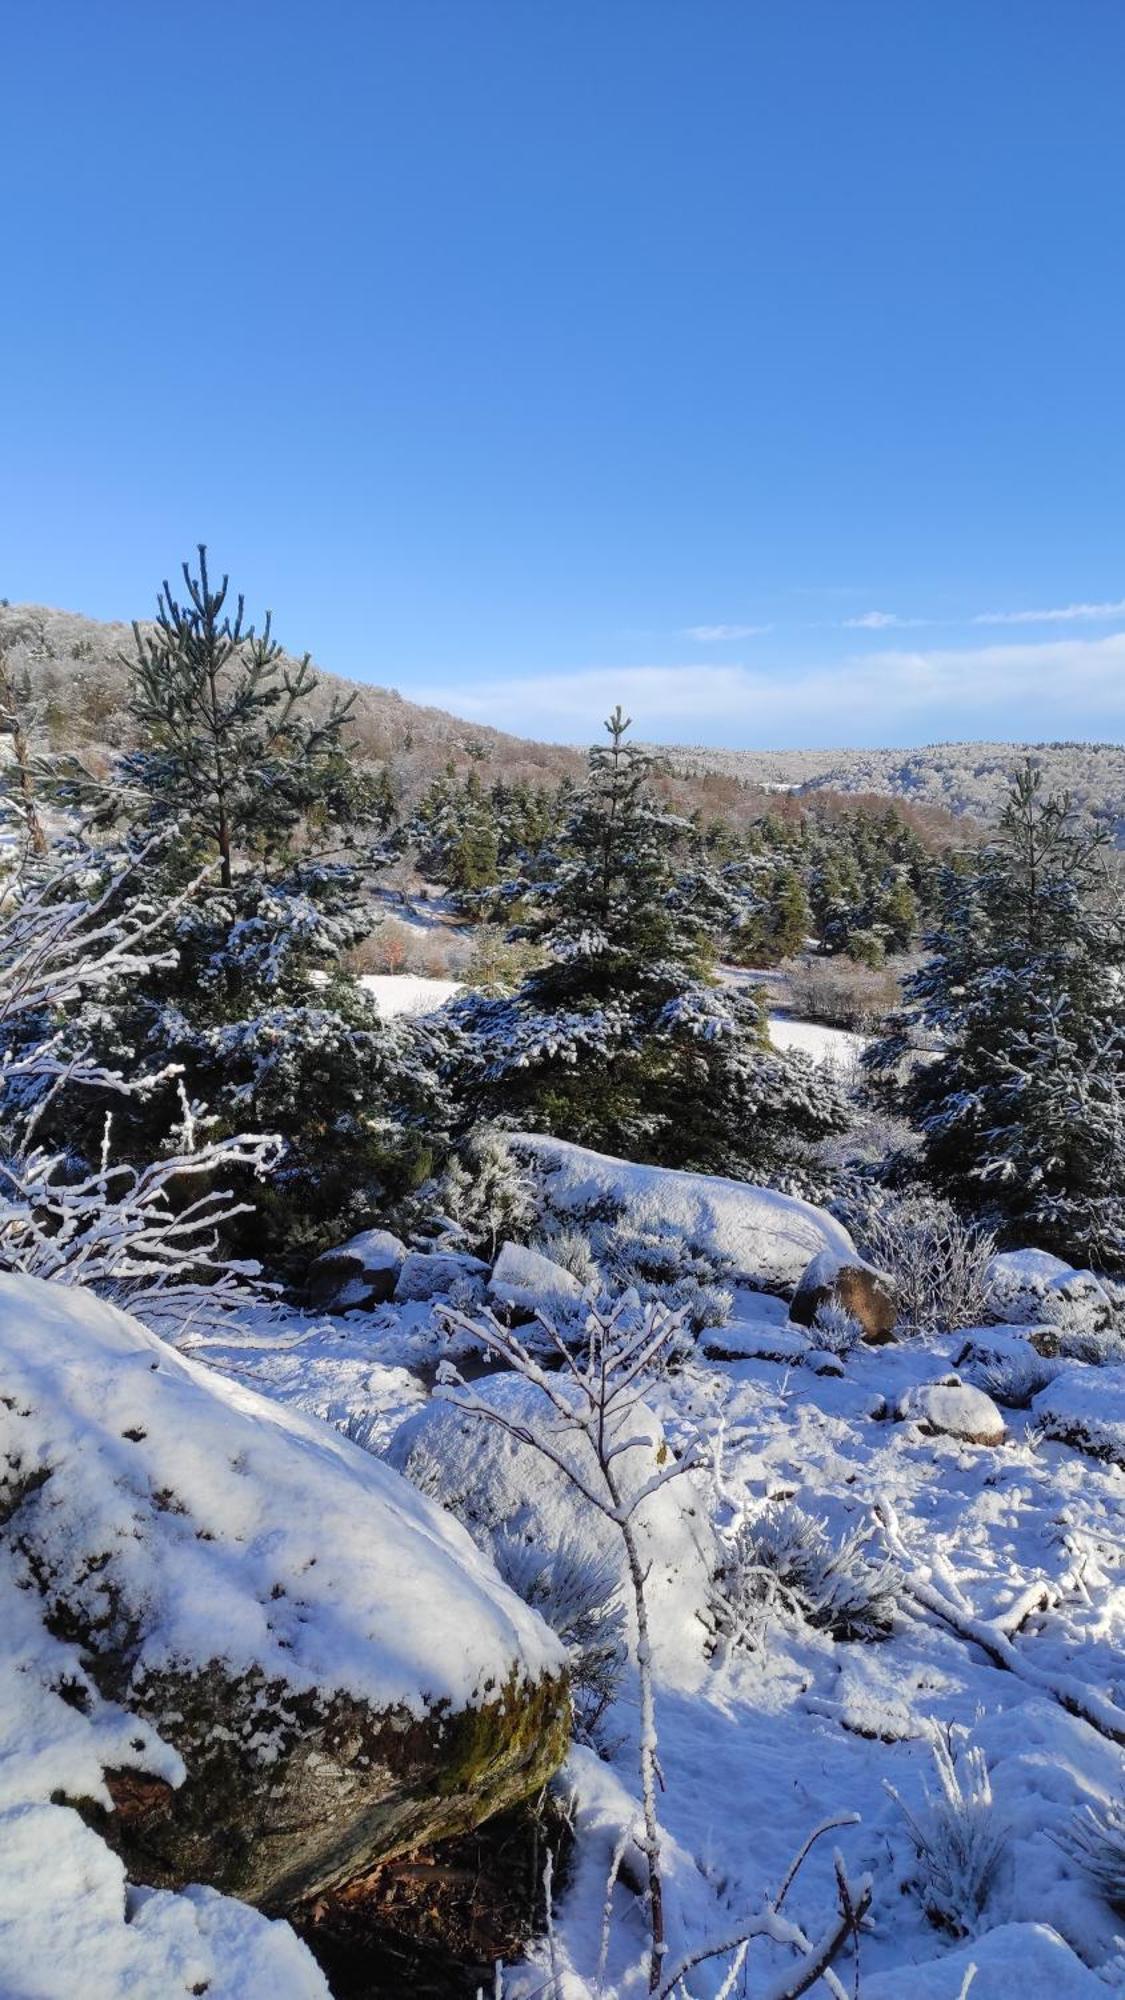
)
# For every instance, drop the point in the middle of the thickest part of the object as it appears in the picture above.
(432, 1274)
(358, 1274)
(953, 1409)
(857, 1288)
(527, 1280)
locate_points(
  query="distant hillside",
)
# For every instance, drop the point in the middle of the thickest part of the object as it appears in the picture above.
(79, 673)
(961, 777)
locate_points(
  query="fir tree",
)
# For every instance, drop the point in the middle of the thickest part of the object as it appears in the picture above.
(1019, 1096)
(622, 1039)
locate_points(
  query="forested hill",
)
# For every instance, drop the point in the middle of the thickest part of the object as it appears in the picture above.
(962, 777)
(78, 673)
(78, 669)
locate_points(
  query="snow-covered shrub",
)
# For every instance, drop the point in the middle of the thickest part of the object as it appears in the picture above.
(938, 1261)
(1095, 1839)
(663, 1270)
(835, 1330)
(569, 1247)
(485, 1194)
(786, 1556)
(959, 1839)
(1014, 1376)
(577, 1590)
(1080, 1324)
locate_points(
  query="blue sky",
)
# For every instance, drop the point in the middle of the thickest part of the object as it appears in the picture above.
(758, 362)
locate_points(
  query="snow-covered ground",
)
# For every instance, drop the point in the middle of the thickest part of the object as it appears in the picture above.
(407, 992)
(814, 1038)
(758, 1745)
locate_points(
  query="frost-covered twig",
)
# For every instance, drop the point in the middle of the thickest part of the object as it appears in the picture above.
(126, 1233)
(814, 1956)
(590, 1397)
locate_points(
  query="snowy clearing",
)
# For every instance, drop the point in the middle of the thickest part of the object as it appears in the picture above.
(816, 1039)
(407, 992)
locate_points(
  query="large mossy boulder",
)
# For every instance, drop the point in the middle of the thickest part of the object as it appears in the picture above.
(337, 1669)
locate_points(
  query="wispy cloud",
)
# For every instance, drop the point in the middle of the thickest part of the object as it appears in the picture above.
(879, 621)
(709, 635)
(1063, 614)
(1068, 686)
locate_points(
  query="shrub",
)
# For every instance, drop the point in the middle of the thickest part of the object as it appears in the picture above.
(1095, 1839)
(939, 1263)
(958, 1840)
(842, 992)
(578, 1593)
(835, 1330)
(785, 1555)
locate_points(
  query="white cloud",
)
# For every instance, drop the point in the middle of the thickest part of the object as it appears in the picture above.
(707, 635)
(1023, 690)
(1065, 614)
(878, 621)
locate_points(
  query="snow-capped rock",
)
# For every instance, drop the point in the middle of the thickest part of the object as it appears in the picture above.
(496, 1485)
(1018, 1280)
(287, 1663)
(865, 1294)
(356, 1275)
(757, 1236)
(524, 1278)
(433, 1274)
(1085, 1407)
(954, 1409)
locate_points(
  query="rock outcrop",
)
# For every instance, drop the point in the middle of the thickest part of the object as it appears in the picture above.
(329, 1669)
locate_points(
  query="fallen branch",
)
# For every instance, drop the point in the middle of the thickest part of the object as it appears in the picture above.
(1073, 1695)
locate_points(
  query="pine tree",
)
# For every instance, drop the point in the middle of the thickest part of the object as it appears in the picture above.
(1019, 1096)
(623, 1040)
(237, 775)
(230, 749)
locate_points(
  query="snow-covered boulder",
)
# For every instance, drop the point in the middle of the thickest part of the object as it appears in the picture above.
(1018, 1281)
(1085, 1407)
(857, 1288)
(758, 1236)
(498, 1486)
(1030, 1960)
(525, 1279)
(434, 1274)
(286, 1662)
(755, 1340)
(358, 1274)
(953, 1409)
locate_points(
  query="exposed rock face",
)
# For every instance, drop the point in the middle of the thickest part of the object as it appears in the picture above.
(334, 1671)
(358, 1274)
(954, 1409)
(866, 1294)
